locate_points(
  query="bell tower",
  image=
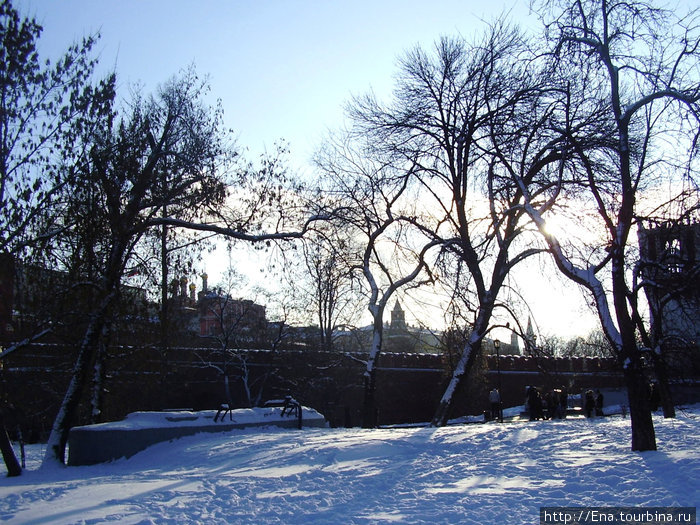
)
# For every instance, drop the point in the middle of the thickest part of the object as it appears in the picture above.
(398, 317)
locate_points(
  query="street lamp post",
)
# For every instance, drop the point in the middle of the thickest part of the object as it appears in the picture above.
(497, 346)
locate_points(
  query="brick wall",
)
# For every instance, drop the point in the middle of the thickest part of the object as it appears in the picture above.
(409, 386)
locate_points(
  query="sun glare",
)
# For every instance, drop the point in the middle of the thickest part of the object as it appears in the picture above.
(557, 226)
(575, 222)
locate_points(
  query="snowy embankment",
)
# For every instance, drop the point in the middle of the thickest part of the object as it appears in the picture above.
(108, 441)
(478, 473)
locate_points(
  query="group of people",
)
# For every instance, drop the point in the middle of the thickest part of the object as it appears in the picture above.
(551, 405)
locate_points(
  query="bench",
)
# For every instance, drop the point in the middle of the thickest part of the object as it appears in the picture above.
(223, 409)
(570, 411)
(290, 407)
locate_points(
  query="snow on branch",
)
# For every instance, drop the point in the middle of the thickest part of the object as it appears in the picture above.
(234, 233)
(25, 342)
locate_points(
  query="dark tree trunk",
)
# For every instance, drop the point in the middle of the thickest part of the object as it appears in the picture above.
(8, 453)
(664, 388)
(465, 363)
(369, 406)
(643, 434)
(471, 352)
(164, 313)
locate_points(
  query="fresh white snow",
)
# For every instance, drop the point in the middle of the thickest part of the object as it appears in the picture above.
(463, 473)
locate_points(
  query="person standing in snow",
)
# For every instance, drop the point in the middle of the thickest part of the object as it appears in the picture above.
(654, 397)
(555, 409)
(495, 400)
(548, 405)
(589, 403)
(534, 401)
(598, 403)
(564, 401)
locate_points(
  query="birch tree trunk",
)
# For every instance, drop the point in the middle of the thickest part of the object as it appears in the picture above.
(369, 407)
(56, 445)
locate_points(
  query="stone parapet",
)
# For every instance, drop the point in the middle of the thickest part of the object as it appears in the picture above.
(91, 444)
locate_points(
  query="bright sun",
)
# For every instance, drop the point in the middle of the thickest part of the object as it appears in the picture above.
(558, 226)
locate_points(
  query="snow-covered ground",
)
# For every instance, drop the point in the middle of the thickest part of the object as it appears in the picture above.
(477, 473)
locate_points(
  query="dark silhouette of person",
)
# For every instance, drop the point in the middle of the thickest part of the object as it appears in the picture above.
(534, 401)
(654, 397)
(589, 403)
(495, 400)
(598, 403)
(564, 400)
(556, 409)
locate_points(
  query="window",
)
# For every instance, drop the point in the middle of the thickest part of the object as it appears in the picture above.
(673, 255)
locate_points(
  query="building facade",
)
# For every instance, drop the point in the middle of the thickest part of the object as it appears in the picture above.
(670, 269)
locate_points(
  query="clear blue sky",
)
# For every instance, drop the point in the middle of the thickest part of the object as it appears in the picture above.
(282, 68)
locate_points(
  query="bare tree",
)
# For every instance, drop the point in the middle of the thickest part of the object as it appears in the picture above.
(42, 107)
(235, 325)
(377, 213)
(594, 344)
(640, 68)
(447, 109)
(173, 129)
(329, 290)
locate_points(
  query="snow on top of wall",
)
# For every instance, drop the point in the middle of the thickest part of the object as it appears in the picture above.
(184, 418)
